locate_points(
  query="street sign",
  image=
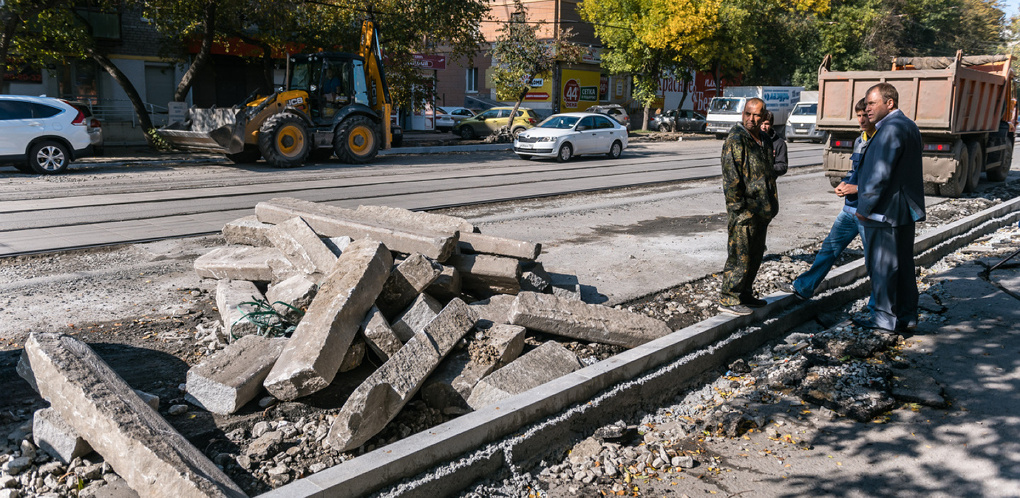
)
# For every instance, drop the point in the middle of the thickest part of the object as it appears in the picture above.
(430, 61)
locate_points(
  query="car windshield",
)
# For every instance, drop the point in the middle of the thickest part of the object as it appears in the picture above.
(725, 106)
(559, 122)
(805, 110)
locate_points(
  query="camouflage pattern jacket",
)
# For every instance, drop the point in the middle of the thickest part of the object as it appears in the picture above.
(749, 180)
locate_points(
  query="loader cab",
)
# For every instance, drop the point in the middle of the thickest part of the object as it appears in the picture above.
(333, 80)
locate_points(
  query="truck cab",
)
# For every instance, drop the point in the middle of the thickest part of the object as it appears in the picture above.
(723, 113)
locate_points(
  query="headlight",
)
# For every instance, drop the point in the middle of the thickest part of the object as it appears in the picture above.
(546, 139)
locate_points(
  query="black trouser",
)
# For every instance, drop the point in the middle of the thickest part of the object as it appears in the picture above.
(889, 256)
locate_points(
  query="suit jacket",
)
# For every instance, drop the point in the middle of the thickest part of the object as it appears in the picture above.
(890, 187)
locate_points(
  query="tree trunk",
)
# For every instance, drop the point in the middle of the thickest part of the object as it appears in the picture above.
(644, 127)
(513, 114)
(129, 89)
(203, 56)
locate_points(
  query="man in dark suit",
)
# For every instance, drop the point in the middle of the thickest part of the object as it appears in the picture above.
(890, 201)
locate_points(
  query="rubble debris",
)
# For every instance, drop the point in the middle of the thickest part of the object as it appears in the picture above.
(415, 317)
(407, 280)
(485, 275)
(247, 231)
(540, 365)
(418, 220)
(231, 296)
(492, 311)
(302, 246)
(449, 387)
(56, 437)
(589, 322)
(379, 336)
(534, 278)
(312, 357)
(241, 263)
(332, 221)
(355, 355)
(233, 376)
(498, 246)
(134, 439)
(380, 397)
(446, 286)
(292, 296)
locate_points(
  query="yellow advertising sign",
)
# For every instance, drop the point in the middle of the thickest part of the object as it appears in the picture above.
(579, 90)
(541, 90)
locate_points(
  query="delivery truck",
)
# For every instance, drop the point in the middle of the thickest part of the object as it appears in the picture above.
(965, 108)
(725, 111)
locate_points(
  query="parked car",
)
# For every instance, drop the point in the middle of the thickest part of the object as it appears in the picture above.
(572, 134)
(674, 120)
(493, 119)
(448, 117)
(94, 127)
(614, 111)
(42, 134)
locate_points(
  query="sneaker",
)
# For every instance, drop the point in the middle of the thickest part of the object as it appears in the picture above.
(736, 309)
(789, 288)
(753, 302)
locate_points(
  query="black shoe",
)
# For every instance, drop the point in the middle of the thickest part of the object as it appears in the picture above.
(789, 288)
(753, 302)
(866, 323)
(736, 309)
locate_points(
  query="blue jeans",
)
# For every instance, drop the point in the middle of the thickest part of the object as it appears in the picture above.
(843, 231)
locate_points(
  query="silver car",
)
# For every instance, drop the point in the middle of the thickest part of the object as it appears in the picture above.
(572, 134)
(448, 117)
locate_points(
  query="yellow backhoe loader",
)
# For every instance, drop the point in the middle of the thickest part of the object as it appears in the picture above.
(333, 103)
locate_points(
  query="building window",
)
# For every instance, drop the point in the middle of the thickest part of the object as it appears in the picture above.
(104, 24)
(472, 80)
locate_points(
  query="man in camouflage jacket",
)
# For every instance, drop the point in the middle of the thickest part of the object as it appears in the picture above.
(749, 183)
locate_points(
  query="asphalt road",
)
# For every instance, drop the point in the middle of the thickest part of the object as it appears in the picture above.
(115, 201)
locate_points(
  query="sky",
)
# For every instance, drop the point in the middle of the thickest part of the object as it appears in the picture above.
(1010, 7)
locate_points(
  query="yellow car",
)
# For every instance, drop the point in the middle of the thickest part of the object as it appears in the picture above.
(490, 121)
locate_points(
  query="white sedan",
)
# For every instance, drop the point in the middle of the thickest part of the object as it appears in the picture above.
(447, 117)
(572, 134)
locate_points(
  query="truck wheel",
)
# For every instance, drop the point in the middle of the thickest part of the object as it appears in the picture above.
(954, 186)
(977, 163)
(249, 155)
(48, 158)
(283, 141)
(835, 181)
(1000, 173)
(356, 140)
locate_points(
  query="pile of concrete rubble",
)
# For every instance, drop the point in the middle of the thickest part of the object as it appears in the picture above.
(342, 284)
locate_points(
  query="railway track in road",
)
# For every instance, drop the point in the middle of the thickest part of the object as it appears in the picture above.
(109, 208)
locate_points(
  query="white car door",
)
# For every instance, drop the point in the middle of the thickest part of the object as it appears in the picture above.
(17, 126)
(585, 137)
(606, 132)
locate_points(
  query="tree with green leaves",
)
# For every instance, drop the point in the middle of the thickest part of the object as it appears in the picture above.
(518, 56)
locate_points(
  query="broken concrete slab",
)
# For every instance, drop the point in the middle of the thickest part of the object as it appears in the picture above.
(56, 437)
(498, 246)
(355, 355)
(332, 221)
(492, 311)
(415, 317)
(418, 220)
(534, 278)
(318, 346)
(446, 286)
(241, 263)
(914, 386)
(379, 336)
(292, 296)
(248, 231)
(589, 322)
(407, 280)
(337, 244)
(540, 365)
(377, 400)
(134, 439)
(302, 246)
(485, 275)
(231, 296)
(232, 377)
(450, 386)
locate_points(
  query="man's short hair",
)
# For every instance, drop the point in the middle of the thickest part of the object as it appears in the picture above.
(768, 116)
(862, 105)
(888, 92)
(756, 99)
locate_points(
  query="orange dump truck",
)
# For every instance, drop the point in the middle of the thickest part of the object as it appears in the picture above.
(964, 106)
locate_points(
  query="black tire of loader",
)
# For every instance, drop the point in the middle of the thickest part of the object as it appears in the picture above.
(269, 139)
(360, 125)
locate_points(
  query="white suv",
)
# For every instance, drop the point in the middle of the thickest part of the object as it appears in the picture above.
(42, 134)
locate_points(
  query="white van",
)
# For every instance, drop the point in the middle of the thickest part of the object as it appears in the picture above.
(725, 111)
(801, 124)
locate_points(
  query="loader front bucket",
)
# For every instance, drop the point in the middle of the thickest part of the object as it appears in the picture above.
(208, 130)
